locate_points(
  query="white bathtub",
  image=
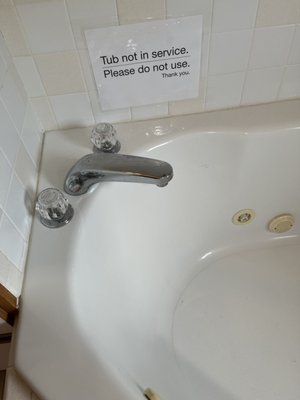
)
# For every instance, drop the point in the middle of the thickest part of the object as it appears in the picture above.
(156, 287)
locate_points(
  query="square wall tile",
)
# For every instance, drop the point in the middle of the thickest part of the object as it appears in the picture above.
(277, 12)
(60, 73)
(11, 242)
(72, 110)
(262, 85)
(14, 97)
(31, 135)
(120, 115)
(133, 11)
(5, 177)
(294, 57)
(9, 138)
(229, 52)
(224, 91)
(12, 32)
(26, 170)
(290, 87)
(4, 50)
(180, 8)
(87, 70)
(5, 266)
(3, 68)
(149, 111)
(205, 54)
(43, 110)
(271, 46)
(90, 14)
(17, 207)
(233, 15)
(30, 76)
(189, 106)
(47, 26)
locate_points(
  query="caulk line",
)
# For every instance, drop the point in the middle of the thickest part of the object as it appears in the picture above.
(143, 62)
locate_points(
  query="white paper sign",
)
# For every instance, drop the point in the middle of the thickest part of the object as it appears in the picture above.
(151, 62)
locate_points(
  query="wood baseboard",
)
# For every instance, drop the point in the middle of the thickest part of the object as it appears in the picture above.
(8, 305)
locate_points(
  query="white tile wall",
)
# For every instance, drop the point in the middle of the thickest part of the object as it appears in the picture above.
(9, 138)
(65, 105)
(133, 11)
(61, 72)
(179, 8)
(20, 144)
(277, 12)
(294, 56)
(89, 14)
(191, 105)
(14, 97)
(30, 76)
(31, 135)
(47, 26)
(123, 114)
(12, 31)
(233, 15)
(45, 113)
(151, 111)
(290, 87)
(224, 90)
(241, 38)
(5, 176)
(12, 243)
(271, 46)
(262, 85)
(229, 52)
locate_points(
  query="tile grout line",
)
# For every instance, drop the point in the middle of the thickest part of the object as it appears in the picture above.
(9, 113)
(25, 243)
(208, 54)
(14, 173)
(23, 30)
(30, 54)
(14, 225)
(286, 65)
(77, 50)
(166, 13)
(250, 53)
(28, 109)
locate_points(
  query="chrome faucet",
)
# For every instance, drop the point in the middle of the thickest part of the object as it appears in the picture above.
(105, 165)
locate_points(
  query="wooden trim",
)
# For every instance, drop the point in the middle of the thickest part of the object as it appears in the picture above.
(8, 305)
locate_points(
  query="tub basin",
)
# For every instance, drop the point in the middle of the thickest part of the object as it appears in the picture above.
(156, 287)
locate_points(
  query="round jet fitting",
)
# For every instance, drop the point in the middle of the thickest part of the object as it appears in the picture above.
(243, 217)
(281, 223)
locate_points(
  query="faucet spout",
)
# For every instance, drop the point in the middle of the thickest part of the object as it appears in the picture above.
(104, 167)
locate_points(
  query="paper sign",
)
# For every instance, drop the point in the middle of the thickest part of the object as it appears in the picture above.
(151, 62)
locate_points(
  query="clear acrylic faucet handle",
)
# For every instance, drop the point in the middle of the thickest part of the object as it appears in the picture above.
(54, 208)
(104, 138)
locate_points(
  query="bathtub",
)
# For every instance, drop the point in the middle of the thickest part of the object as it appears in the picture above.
(156, 288)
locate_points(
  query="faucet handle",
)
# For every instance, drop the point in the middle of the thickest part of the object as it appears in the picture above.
(54, 208)
(104, 138)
